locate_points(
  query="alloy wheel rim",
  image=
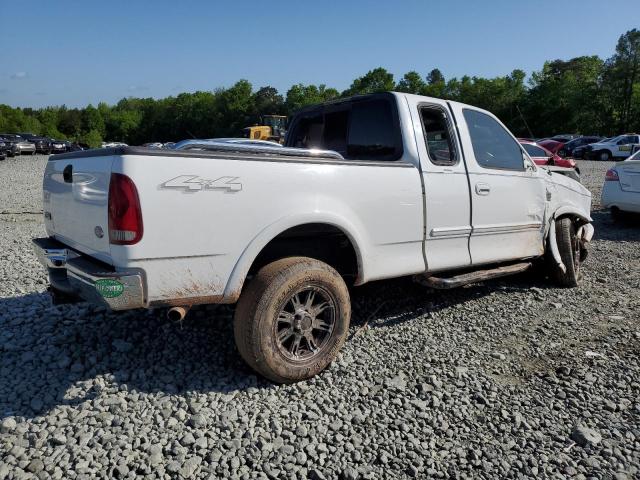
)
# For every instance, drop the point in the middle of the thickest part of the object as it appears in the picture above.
(305, 323)
(576, 254)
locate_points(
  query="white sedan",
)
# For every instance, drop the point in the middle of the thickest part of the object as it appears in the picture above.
(621, 190)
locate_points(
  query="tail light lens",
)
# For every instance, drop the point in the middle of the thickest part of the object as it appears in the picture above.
(125, 216)
(612, 175)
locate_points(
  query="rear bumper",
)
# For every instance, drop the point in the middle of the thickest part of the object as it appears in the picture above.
(614, 196)
(81, 277)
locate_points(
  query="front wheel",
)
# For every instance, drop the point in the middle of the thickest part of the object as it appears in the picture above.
(570, 252)
(292, 319)
(605, 155)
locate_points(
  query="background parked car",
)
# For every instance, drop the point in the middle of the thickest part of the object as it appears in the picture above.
(542, 156)
(3, 150)
(585, 150)
(58, 146)
(76, 146)
(23, 146)
(11, 146)
(621, 189)
(616, 148)
(153, 145)
(567, 150)
(43, 144)
(564, 137)
(553, 146)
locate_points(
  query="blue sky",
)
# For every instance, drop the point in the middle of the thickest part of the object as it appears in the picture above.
(80, 52)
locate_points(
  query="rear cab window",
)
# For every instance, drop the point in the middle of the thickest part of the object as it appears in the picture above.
(493, 146)
(438, 134)
(362, 128)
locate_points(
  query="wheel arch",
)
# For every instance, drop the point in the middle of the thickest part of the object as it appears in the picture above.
(284, 226)
(572, 211)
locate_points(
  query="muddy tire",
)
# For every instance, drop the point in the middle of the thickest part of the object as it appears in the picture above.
(292, 319)
(569, 247)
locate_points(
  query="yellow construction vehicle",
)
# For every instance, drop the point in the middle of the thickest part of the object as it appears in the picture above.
(272, 127)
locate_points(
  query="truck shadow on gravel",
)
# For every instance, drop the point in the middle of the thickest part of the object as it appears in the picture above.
(56, 356)
(626, 228)
(391, 302)
(65, 355)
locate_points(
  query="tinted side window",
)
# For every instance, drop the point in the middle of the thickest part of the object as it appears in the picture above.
(336, 125)
(365, 129)
(492, 145)
(373, 134)
(437, 133)
(308, 132)
(534, 151)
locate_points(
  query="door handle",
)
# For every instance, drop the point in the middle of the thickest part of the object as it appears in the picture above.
(483, 189)
(67, 174)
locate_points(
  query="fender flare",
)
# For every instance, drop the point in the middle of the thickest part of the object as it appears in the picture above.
(250, 253)
(551, 231)
(571, 210)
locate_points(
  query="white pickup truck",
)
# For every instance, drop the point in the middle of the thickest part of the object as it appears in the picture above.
(366, 188)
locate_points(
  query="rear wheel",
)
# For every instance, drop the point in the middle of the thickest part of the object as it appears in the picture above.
(616, 214)
(604, 155)
(570, 252)
(292, 319)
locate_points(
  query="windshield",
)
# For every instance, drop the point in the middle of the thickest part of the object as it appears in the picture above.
(635, 156)
(614, 139)
(11, 137)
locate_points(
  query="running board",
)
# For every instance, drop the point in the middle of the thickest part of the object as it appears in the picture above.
(471, 277)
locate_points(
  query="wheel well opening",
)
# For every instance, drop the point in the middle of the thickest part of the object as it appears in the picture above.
(323, 242)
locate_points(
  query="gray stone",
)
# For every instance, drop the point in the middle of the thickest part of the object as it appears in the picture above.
(315, 474)
(187, 439)
(190, 466)
(8, 425)
(350, 473)
(35, 466)
(585, 436)
(399, 382)
(198, 421)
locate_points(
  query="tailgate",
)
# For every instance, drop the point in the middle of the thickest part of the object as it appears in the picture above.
(75, 202)
(629, 174)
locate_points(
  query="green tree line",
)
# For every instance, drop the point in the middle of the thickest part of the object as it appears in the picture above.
(585, 95)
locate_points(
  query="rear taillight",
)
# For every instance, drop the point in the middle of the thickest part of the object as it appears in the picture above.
(125, 216)
(611, 176)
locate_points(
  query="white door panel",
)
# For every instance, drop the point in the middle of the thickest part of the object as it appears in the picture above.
(508, 206)
(508, 220)
(448, 214)
(447, 202)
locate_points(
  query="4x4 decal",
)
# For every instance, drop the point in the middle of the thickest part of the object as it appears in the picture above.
(194, 183)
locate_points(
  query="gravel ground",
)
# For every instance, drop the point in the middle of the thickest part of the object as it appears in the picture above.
(509, 379)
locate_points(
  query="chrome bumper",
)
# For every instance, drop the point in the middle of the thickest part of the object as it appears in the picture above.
(75, 275)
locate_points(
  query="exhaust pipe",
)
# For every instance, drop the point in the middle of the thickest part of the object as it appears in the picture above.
(177, 314)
